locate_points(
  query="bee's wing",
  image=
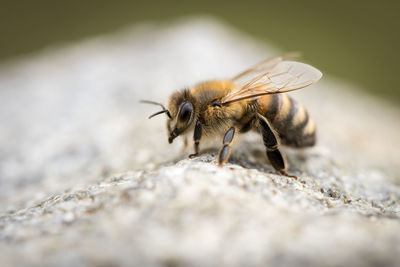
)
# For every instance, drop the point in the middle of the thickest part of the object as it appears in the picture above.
(264, 66)
(281, 76)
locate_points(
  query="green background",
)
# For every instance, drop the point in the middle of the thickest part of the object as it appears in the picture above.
(355, 40)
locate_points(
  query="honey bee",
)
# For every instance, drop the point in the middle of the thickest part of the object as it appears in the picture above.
(254, 99)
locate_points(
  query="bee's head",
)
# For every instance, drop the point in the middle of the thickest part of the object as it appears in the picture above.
(180, 113)
(182, 110)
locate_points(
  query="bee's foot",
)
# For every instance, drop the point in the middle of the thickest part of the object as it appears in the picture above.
(193, 155)
(287, 174)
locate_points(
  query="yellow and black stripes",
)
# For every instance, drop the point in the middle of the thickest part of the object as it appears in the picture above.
(289, 119)
(225, 151)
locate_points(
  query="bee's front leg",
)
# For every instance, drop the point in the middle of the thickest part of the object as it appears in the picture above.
(225, 151)
(196, 137)
(185, 143)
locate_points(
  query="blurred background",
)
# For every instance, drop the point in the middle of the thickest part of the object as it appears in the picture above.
(355, 40)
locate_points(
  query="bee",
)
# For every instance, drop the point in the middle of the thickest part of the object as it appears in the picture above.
(254, 99)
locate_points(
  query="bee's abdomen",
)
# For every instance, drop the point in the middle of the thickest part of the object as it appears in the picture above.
(289, 119)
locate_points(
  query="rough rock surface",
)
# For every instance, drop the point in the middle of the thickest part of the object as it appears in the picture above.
(86, 179)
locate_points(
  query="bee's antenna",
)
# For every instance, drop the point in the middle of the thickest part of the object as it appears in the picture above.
(158, 113)
(153, 103)
(159, 104)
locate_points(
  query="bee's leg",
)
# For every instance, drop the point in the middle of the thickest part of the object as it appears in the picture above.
(271, 143)
(225, 151)
(185, 143)
(196, 137)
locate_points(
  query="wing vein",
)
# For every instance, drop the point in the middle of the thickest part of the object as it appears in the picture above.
(272, 77)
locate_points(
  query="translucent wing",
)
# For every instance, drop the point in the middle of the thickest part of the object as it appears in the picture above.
(264, 66)
(280, 76)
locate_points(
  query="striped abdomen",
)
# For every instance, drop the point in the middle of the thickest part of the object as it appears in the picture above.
(289, 119)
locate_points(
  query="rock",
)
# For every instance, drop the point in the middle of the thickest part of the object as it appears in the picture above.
(86, 179)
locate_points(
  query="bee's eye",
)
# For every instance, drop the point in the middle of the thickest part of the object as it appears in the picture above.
(186, 112)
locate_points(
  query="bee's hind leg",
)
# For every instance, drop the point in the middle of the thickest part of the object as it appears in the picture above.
(196, 136)
(271, 143)
(225, 151)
